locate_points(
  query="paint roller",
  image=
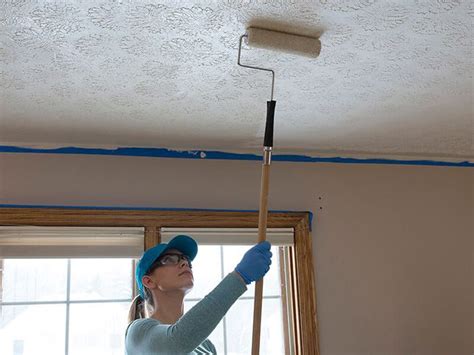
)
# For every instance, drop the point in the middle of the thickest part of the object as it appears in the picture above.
(288, 43)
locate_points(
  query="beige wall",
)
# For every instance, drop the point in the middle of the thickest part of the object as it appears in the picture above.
(393, 245)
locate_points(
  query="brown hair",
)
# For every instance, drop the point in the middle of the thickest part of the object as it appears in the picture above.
(141, 308)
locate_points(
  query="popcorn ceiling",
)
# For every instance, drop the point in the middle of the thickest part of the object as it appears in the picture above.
(393, 77)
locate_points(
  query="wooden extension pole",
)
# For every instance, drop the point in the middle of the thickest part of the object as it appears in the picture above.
(262, 222)
(262, 235)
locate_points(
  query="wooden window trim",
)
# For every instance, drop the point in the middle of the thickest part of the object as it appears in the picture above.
(153, 220)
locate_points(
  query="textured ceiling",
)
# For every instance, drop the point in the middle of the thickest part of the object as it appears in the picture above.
(394, 77)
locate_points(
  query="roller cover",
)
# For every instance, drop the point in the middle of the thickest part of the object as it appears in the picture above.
(284, 42)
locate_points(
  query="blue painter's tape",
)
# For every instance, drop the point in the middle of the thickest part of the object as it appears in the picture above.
(217, 155)
(310, 214)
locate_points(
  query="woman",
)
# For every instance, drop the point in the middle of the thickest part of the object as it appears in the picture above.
(164, 276)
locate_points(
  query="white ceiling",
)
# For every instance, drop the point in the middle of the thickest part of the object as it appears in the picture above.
(394, 78)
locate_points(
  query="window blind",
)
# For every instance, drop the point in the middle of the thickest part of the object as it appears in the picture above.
(231, 236)
(70, 242)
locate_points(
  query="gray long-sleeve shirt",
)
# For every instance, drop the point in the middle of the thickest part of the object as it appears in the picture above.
(189, 334)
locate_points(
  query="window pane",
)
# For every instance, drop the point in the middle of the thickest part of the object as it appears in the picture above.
(217, 336)
(98, 279)
(98, 328)
(34, 280)
(271, 283)
(239, 321)
(32, 330)
(206, 271)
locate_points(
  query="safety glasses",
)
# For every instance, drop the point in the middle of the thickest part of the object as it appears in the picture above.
(170, 259)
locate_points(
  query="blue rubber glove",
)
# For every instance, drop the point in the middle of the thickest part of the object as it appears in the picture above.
(255, 262)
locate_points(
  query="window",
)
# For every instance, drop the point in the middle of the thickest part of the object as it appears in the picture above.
(65, 305)
(214, 261)
(80, 305)
(297, 297)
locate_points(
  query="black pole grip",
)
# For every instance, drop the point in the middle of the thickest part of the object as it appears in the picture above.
(268, 140)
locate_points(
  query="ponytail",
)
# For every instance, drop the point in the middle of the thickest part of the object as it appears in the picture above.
(141, 308)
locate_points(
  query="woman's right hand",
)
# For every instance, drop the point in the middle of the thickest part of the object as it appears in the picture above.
(255, 262)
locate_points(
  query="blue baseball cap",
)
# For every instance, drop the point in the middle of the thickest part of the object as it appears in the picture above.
(184, 243)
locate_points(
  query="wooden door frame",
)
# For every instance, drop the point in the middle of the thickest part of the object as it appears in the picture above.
(152, 220)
